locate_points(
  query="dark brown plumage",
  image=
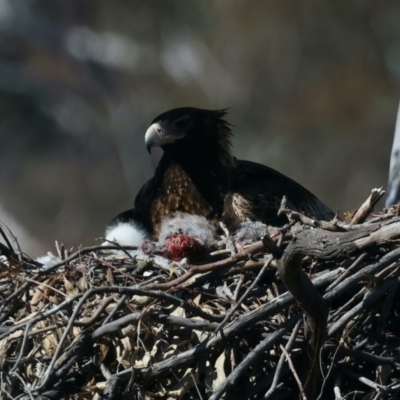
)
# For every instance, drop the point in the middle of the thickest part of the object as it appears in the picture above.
(193, 175)
(197, 172)
(257, 192)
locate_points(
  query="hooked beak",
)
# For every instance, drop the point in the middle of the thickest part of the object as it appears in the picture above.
(161, 133)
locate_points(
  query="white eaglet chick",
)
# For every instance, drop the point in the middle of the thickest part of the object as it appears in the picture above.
(185, 235)
(189, 225)
(126, 230)
(125, 234)
(181, 235)
(250, 232)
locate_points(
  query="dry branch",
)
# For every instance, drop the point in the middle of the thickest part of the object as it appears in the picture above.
(103, 326)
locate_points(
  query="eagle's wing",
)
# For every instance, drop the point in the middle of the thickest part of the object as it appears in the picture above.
(257, 192)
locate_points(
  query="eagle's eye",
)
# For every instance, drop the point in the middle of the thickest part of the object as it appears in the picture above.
(183, 123)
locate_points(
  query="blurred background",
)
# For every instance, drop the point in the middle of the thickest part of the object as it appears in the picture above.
(312, 86)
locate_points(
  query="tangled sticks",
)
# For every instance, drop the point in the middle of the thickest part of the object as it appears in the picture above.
(106, 326)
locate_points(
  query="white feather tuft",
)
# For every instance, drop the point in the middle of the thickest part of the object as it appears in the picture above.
(125, 234)
(49, 259)
(250, 231)
(188, 224)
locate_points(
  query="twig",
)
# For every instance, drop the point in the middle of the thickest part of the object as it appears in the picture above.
(243, 298)
(159, 318)
(278, 370)
(238, 286)
(23, 346)
(386, 306)
(150, 280)
(90, 321)
(362, 356)
(40, 317)
(120, 247)
(105, 371)
(291, 366)
(109, 265)
(196, 386)
(360, 258)
(351, 281)
(42, 284)
(333, 360)
(256, 248)
(299, 217)
(378, 388)
(24, 384)
(257, 352)
(115, 309)
(355, 298)
(111, 289)
(184, 322)
(243, 322)
(367, 207)
(336, 387)
(363, 305)
(221, 252)
(326, 252)
(51, 268)
(229, 240)
(17, 250)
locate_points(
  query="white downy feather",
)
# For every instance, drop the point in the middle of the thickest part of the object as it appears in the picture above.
(249, 232)
(125, 234)
(49, 259)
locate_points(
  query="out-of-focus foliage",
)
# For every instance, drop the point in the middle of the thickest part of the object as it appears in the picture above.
(312, 86)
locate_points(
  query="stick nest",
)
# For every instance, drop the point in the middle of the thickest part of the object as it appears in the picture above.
(110, 326)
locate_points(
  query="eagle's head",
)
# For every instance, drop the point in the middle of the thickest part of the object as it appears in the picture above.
(187, 130)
